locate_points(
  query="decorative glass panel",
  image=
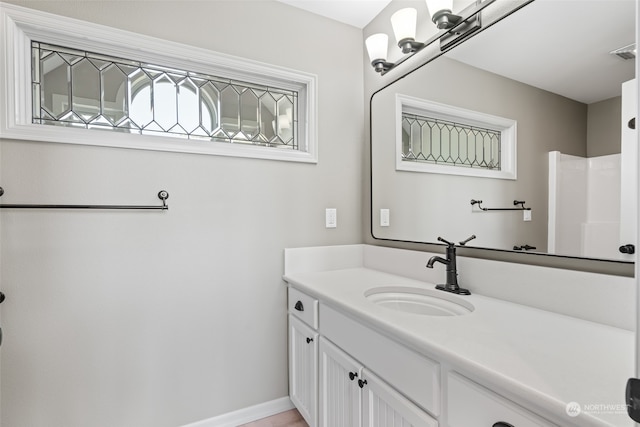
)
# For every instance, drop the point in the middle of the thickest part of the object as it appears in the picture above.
(55, 87)
(415, 141)
(140, 101)
(267, 117)
(430, 140)
(83, 89)
(165, 108)
(209, 108)
(249, 114)
(230, 106)
(114, 94)
(284, 120)
(188, 109)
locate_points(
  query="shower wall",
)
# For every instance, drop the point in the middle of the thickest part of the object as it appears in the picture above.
(584, 205)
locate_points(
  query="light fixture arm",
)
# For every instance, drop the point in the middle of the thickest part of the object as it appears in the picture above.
(444, 19)
(409, 45)
(381, 66)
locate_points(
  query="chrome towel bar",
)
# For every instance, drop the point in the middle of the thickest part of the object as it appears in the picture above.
(162, 195)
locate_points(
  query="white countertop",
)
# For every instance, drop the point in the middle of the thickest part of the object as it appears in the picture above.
(526, 354)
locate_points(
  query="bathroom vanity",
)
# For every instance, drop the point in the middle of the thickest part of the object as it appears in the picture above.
(372, 347)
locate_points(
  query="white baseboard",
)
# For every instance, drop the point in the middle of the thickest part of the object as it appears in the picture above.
(246, 415)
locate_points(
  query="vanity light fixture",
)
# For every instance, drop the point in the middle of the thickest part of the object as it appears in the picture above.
(454, 28)
(442, 13)
(377, 45)
(404, 28)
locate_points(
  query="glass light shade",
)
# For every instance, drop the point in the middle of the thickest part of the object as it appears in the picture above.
(438, 5)
(377, 45)
(404, 23)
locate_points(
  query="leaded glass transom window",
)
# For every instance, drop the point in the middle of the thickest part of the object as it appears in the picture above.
(76, 88)
(432, 137)
(437, 141)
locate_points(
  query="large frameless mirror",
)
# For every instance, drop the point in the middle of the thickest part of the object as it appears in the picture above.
(548, 70)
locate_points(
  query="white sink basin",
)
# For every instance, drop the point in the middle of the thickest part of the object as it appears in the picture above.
(419, 301)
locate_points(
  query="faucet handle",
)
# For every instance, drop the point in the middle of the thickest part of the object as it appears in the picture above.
(464, 242)
(440, 239)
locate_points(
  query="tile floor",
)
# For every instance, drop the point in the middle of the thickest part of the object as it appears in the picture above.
(290, 418)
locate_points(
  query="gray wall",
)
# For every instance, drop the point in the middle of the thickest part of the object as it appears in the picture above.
(161, 319)
(604, 133)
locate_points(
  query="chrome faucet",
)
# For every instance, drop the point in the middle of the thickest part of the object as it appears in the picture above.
(451, 284)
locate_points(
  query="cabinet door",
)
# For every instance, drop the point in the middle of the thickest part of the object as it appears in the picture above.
(382, 406)
(339, 403)
(303, 369)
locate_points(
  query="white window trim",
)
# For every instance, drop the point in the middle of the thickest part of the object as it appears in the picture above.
(421, 107)
(19, 26)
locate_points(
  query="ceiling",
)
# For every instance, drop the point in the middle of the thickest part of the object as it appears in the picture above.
(357, 13)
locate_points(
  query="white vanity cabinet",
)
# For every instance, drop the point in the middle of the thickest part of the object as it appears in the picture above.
(331, 388)
(503, 364)
(343, 373)
(352, 396)
(303, 355)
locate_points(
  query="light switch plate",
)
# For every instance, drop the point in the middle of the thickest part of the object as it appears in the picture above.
(331, 218)
(384, 217)
(527, 215)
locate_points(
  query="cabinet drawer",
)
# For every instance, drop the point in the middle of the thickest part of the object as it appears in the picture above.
(470, 405)
(415, 376)
(303, 307)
